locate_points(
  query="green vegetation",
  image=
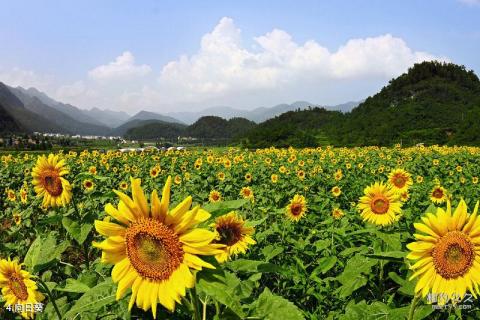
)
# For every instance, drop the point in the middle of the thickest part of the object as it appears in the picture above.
(433, 103)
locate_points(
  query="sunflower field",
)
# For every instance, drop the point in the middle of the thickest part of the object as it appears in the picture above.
(324, 233)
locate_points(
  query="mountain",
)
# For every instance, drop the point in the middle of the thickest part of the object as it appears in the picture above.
(433, 103)
(7, 123)
(146, 115)
(258, 114)
(155, 129)
(33, 103)
(209, 127)
(71, 111)
(213, 127)
(107, 117)
(27, 120)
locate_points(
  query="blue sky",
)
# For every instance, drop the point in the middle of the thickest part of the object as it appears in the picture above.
(259, 53)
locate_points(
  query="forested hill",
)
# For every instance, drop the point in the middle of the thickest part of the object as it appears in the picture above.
(433, 103)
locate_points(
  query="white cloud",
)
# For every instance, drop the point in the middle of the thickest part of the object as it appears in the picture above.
(224, 68)
(230, 70)
(25, 78)
(123, 67)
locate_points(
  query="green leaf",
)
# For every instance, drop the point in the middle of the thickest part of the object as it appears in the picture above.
(391, 255)
(94, 299)
(43, 251)
(75, 286)
(219, 208)
(244, 265)
(78, 231)
(353, 276)
(272, 307)
(271, 251)
(214, 284)
(325, 264)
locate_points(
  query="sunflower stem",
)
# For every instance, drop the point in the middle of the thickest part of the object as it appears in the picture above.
(194, 298)
(52, 299)
(412, 307)
(85, 245)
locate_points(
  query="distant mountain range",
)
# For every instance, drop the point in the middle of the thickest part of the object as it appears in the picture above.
(257, 115)
(32, 110)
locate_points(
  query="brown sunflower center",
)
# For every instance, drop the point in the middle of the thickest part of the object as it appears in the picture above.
(230, 233)
(52, 182)
(379, 204)
(215, 196)
(296, 209)
(18, 287)
(88, 184)
(453, 255)
(153, 249)
(438, 193)
(399, 181)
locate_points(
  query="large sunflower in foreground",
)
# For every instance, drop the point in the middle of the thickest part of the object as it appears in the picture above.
(400, 179)
(447, 253)
(232, 232)
(380, 204)
(297, 208)
(17, 287)
(154, 248)
(49, 183)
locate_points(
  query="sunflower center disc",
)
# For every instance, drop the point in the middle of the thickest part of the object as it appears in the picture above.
(296, 209)
(399, 181)
(153, 249)
(18, 287)
(453, 255)
(229, 233)
(438, 193)
(379, 204)
(52, 183)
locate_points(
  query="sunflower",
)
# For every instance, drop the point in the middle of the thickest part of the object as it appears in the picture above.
(447, 253)
(232, 232)
(438, 195)
(154, 172)
(247, 193)
(336, 191)
(400, 179)
(88, 185)
(214, 196)
(23, 195)
(17, 218)
(177, 179)
(404, 196)
(301, 174)
(153, 249)
(274, 178)
(248, 177)
(221, 176)
(49, 183)
(11, 196)
(380, 204)
(419, 179)
(297, 208)
(92, 170)
(337, 213)
(123, 185)
(17, 286)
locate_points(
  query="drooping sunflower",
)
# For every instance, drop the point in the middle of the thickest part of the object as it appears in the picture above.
(49, 183)
(400, 179)
(447, 253)
(17, 286)
(438, 195)
(297, 208)
(380, 204)
(153, 249)
(214, 196)
(234, 234)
